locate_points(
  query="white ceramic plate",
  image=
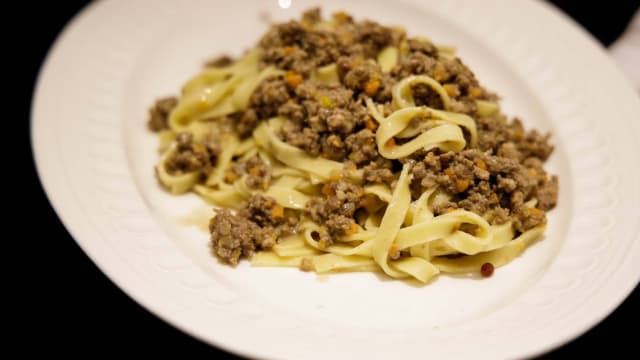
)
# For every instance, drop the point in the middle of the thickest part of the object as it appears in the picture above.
(95, 158)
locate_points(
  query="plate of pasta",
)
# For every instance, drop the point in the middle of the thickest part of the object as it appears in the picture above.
(388, 177)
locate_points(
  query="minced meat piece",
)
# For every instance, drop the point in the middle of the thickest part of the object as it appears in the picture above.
(422, 46)
(333, 148)
(232, 236)
(362, 146)
(342, 199)
(357, 76)
(159, 113)
(258, 173)
(509, 139)
(339, 225)
(307, 139)
(547, 194)
(192, 156)
(245, 122)
(372, 37)
(415, 63)
(220, 61)
(374, 172)
(424, 95)
(269, 96)
(340, 121)
(263, 210)
(259, 224)
(492, 186)
(312, 16)
(293, 111)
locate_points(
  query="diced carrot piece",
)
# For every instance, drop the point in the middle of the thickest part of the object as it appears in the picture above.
(475, 92)
(462, 185)
(535, 212)
(370, 124)
(254, 171)
(277, 212)
(353, 229)
(292, 79)
(390, 143)
(371, 87)
(451, 89)
(327, 190)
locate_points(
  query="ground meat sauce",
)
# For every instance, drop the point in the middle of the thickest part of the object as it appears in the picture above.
(159, 113)
(256, 226)
(192, 156)
(496, 179)
(494, 186)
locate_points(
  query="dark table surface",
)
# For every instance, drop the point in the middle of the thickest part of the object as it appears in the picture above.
(74, 307)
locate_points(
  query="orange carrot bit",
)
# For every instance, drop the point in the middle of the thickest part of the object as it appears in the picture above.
(277, 212)
(371, 87)
(449, 171)
(390, 143)
(535, 212)
(293, 79)
(352, 167)
(451, 89)
(475, 92)
(462, 185)
(367, 204)
(532, 171)
(289, 50)
(370, 124)
(254, 171)
(353, 229)
(481, 164)
(327, 190)
(230, 176)
(394, 252)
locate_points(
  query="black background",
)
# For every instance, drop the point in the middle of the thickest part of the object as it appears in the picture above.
(73, 309)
